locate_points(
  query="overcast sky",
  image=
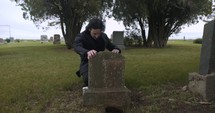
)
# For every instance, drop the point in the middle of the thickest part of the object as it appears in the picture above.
(12, 24)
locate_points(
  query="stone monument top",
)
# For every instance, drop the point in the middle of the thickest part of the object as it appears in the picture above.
(106, 70)
(207, 58)
(1, 40)
(43, 38)
(56, 39)
(203, 82)
(118, 39)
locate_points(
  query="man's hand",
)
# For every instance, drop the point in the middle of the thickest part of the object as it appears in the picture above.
(91, 54)
(115, 51)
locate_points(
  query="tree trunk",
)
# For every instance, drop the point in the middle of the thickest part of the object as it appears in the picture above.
(152, 37)
(143, 31)
(73, 27)
(157, 32)
(72, 22)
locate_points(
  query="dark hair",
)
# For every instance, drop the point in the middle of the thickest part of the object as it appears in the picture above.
(95, 23)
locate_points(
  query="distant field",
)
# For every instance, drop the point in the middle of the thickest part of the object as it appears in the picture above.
(32, 74)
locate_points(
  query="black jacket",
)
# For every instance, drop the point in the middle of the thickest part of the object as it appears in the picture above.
(84, 43)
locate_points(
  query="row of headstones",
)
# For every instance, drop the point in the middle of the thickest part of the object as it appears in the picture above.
(56, 39)
(117, 36)
(2, 40)
(44, 38)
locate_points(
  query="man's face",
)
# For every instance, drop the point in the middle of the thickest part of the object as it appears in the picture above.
(95, 33)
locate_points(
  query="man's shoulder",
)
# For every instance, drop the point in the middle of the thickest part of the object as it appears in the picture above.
(83, 34)
(80, 34)
(104, 35)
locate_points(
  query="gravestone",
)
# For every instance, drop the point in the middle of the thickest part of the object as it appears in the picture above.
(56, 39)
(51, 39)
(204, 81)
(1, 41)
(106, 82)
(43, 38)
(207, 58)
(62, 39)
(118, 39)
(11, 39)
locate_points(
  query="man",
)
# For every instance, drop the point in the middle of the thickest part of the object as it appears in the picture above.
(89, 42)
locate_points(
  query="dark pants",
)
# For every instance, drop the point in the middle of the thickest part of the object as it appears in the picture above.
(84, 73)
(85, 78)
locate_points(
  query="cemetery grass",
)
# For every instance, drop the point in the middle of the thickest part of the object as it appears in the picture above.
(40, 78)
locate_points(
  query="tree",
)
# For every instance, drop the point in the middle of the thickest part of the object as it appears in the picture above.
(162, 17)
(211, 16)
(70, 14)
(7, 40)
(132, 13)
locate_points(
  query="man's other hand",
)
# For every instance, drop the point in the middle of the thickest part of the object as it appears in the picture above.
(91, 54)
(115, 51)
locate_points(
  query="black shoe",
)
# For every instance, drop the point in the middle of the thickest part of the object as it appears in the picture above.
(78, 73)
(85, 85)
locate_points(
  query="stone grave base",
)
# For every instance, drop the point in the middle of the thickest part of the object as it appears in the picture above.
(203, 85)
(107, 98)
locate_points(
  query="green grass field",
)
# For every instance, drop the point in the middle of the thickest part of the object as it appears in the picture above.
(33, 74)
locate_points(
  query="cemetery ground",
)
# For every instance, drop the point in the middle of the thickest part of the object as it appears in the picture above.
(40, 78)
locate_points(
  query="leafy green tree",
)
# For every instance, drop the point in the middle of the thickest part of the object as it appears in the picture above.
(7, 40)
(211, 16)
(70, 14)
(162, 17)
(132, 13)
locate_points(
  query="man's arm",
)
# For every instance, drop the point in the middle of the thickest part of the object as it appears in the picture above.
(79, 47)
(110, 46)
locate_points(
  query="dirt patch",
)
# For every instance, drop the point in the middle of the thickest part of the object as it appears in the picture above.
(165, 99)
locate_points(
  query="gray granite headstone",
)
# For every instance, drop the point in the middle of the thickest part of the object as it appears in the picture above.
(43, 38)
(203, 82)
(11, 39)
(62, 39)
(207, 59)
(106, 82)
(1, 41)
(56, 39)
(51, 39)
(118, 39)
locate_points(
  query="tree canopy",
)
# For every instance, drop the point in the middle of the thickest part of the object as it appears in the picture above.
(162, 17)
(70, 14)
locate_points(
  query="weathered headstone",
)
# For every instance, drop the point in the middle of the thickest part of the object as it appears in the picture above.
(1, 41)
(56, 39)
(204, 81)
(11, 39)
(51, 39)
(62, 39)
(43, 38)
(207, 59)
(106, 82)
(118, 39)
